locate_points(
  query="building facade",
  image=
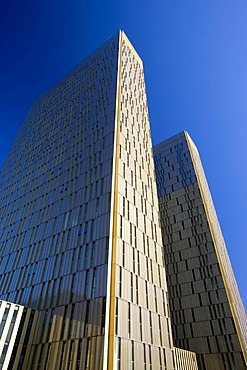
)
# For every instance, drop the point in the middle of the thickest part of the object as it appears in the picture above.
(206, 309)
(17, 329)
(79, 223)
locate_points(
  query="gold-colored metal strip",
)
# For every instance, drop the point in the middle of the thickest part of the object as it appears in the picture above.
(108, 355)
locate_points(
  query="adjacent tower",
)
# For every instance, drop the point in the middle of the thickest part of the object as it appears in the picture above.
(206, 309)
(79, 225)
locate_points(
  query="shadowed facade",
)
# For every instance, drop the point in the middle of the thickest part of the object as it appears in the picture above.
(207, 313)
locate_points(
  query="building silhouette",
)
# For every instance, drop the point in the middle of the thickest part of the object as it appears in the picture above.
(79, 223)
(207, 313)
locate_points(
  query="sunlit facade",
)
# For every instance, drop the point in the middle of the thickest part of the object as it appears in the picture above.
(207, 313)
(79, 223)
(17, 329)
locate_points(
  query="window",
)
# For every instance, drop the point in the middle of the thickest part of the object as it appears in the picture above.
(93, 254)
(131, 287)
(132, 355)
(129, 320)
(121, 227)
(116, 317)
(123, 255)
(147, 268)
(144, 357)
(126, 189)
(123, 206)
(88, 352)
(119, 354)
(150, 326)
(120, 282)
(146, 286)
(94, 283)
(87, 288)
(150, 358)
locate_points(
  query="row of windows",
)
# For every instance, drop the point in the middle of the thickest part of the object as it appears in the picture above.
(88, 216)
(65, 163)
(49, 260)
(54, 202)
(103, 92)
(151, 357)
(71, 288)
(141, 291)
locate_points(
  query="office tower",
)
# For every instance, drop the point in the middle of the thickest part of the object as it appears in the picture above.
(79, 229)
(206, 309)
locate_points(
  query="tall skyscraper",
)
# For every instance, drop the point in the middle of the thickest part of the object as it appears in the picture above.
(206, 309)
(79, 223)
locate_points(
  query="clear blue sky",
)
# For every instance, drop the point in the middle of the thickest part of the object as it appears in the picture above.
(195, 58)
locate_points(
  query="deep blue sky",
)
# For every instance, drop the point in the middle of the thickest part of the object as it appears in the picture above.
(195, 59)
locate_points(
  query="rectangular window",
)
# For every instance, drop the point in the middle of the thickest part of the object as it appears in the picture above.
(138, 262)
(151, 328)
(123, 256)
(164, 353)
(119, 355)
(131, 287)
(144, 357)
(123, 206)
(129, 324)
(120, 282)
(86, 318)
(87, 287)
(132, 355)
(147, 268)
(93, 254)
(160, 332)
(140, 322)
(94, 283)
(146, 286)
(160, 359)
(121, 227)
(150, 357)
(88, 352)
(116, 317)
(126, 189)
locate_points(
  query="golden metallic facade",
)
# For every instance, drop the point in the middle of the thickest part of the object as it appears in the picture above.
(17, 328)
(139, 330)
(55, 205)
(185, 360)
(79, 224)
(206, 309)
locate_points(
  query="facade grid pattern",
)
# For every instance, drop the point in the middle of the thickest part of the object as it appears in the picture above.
(55, 213)
(79, 222)
(206, 309)
(17, 328)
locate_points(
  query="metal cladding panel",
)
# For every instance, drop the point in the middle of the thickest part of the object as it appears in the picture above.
(185, 360)
(17, 326)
